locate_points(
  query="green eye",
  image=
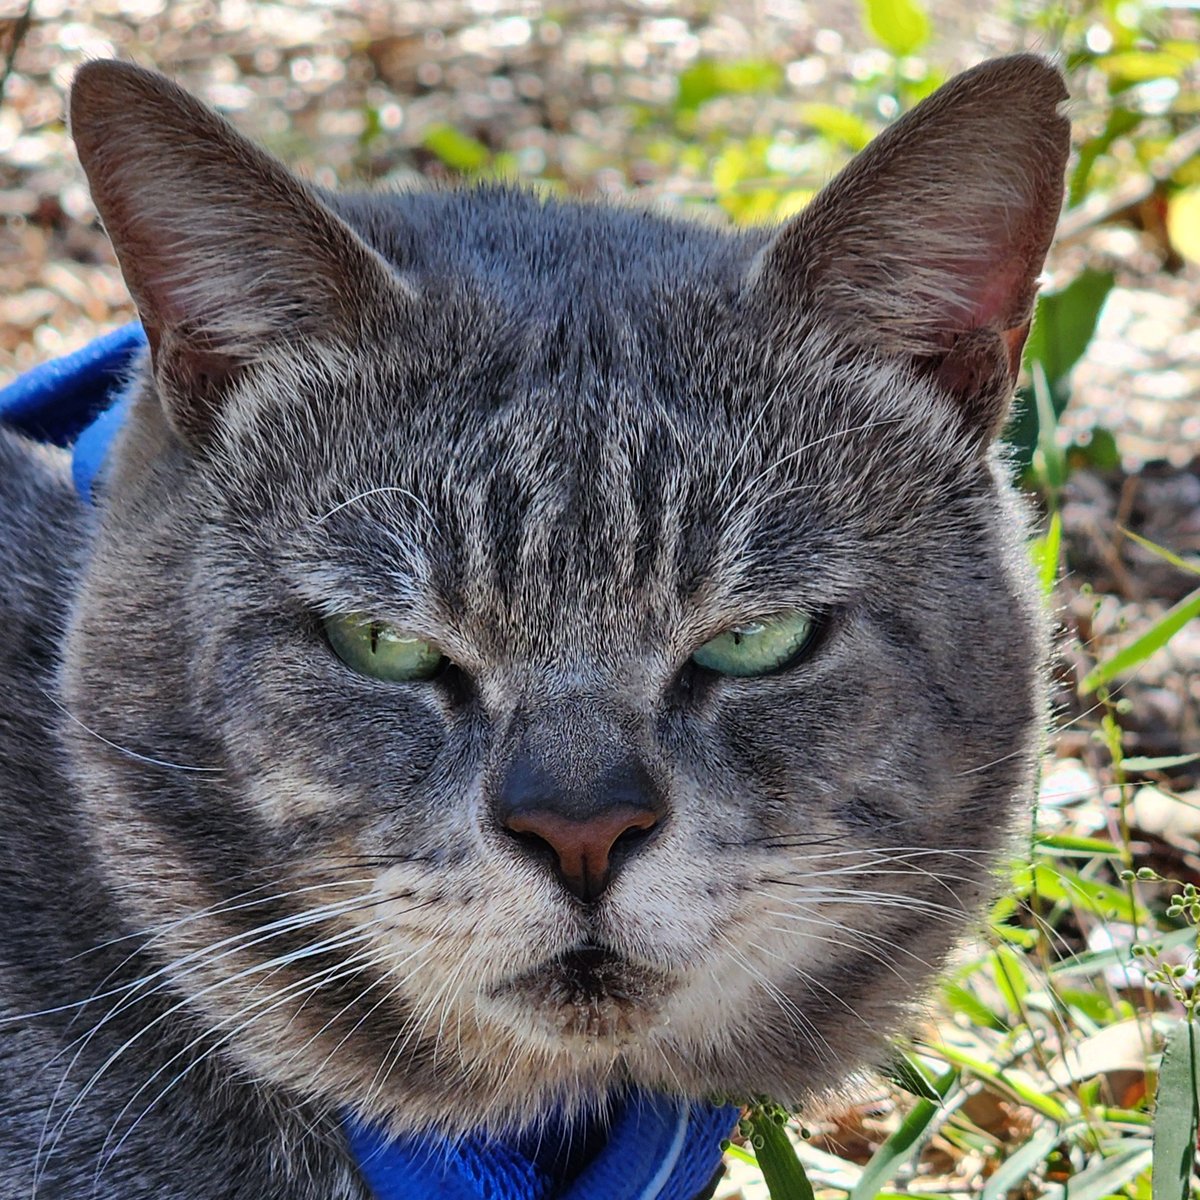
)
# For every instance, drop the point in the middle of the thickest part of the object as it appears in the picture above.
(382, 651)
(756, 648)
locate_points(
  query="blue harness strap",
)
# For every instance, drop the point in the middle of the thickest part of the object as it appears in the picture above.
(645, 1147)
(652, 1147)
(55, 401)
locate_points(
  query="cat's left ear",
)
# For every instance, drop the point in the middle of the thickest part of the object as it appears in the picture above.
(230, 258)
(927, 247)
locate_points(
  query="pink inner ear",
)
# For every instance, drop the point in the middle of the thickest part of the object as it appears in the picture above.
(1000, 303)
(993, 291)
(1002, 296)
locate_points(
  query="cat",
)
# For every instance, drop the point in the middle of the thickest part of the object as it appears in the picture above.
(521, 648)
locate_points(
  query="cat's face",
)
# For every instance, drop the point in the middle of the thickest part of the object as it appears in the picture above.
(566, 451)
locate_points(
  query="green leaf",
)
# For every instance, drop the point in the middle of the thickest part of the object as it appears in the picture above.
(1048, 458)
(902, 26)
(1061, 885)
(457, 150)
(962, 1000)
(1157, 636)
(1183, 218)
(782, 1171)
(1013, 1084)
(1140, 66)
(1014, 935)
(836, 124)
(903, 1143)
(737, 161)
(1121, 121)
(1096, 448)
(1063, 325)
(1094, 1005)
(908, 1073)
(709, 78)
(1092, 962)
(1175, 1116)
(1009, 974)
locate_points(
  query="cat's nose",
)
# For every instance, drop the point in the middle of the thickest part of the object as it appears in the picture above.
(583, 849)
(584, 829)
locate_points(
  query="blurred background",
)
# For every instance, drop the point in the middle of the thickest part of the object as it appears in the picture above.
(1038, 1067)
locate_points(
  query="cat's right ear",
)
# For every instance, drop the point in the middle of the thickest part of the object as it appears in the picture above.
(229, 257)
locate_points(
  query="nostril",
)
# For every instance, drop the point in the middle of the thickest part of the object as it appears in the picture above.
(629, 840)
(533, 842)
(638, 832)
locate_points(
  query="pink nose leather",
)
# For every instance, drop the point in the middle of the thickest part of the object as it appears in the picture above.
(583, 848)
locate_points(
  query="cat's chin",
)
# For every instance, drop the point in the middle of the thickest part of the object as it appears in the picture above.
(588, 994)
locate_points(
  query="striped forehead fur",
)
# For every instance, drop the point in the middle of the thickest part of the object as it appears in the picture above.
(592, 486)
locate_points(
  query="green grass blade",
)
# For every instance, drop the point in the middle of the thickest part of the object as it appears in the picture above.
(906, 1195)
(1015, 1086)
(1108, 1175)
(961, 1000)
(1164, 762)
(1066, 845)
(1189, 568)
(1045, 552)
(1015, 1169)
(1157, 636)
(743, 1156)
(1008, 972)
(903, 1143)
(1092, 962)
(1175, 1116)
(782, 1171)
(907, 1071)
(1061, 884)
(1048, 456)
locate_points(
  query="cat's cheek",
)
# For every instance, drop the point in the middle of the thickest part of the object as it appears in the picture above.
(285, 795)
(313, 746)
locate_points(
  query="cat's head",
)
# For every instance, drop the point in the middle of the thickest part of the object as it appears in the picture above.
(533, 646)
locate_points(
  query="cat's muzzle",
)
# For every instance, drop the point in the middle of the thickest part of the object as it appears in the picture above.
(590, 991)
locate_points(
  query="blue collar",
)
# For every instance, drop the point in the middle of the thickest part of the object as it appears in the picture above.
(647, 1147)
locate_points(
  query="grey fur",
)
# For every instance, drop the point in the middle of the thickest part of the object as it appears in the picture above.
(568, 444)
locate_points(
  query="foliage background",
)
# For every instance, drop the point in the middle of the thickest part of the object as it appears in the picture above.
(1037, 1070)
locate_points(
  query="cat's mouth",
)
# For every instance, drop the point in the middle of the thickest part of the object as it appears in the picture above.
(591, 992)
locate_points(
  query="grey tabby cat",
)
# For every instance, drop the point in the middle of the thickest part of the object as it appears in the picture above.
(521, 648)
